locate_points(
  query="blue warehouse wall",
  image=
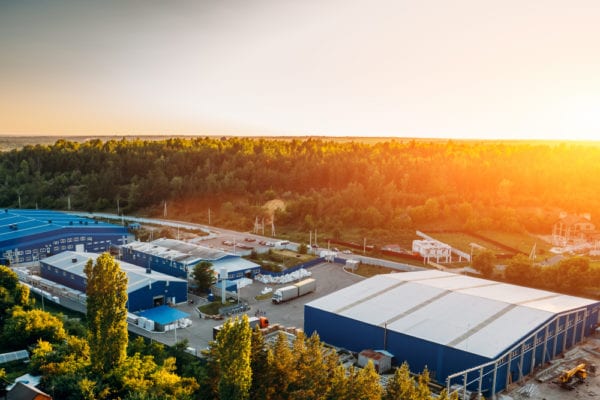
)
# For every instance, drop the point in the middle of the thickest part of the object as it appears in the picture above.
(41, 245)
(143, 298)
(62, 277)
(356, 336)
(159, 264)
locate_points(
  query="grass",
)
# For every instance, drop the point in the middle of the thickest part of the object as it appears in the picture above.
(264, 296)
(520, 241)
(213, 307)
(369, 270)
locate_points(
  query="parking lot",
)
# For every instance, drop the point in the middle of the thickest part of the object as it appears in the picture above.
(330, 277)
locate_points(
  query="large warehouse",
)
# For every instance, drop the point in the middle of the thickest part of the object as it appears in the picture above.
(475, 333)
(30, 235)
(145, 290)
(178, 258)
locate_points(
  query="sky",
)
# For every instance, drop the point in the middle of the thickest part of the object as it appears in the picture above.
(508, 69)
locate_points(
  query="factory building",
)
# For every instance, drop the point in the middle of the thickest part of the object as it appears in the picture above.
(30, 235)
(177, 258)
(471, 333)
(146, 289)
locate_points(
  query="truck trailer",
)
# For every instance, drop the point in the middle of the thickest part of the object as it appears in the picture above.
(296, 290)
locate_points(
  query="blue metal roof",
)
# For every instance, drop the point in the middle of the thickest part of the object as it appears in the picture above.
(164, 315)
(18, 223)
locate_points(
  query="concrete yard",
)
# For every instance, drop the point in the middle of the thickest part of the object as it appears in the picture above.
(330, 277)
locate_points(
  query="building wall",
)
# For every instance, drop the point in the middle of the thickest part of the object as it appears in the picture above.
(443, 361)
(62, 277)
(143, 298)
(155, 263)
(42, 245)
(140, 299)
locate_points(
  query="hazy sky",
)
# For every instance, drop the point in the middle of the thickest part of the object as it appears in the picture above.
(426, 68)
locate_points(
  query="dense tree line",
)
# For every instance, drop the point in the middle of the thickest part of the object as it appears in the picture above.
(242, 367)
(329, 185)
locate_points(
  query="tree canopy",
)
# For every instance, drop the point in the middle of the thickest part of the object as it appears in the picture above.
(106, 312)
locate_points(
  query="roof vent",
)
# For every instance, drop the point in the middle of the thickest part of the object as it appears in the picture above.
(73, 260)
(148, 270)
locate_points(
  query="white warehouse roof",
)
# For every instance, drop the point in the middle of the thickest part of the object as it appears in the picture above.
(74, 262)
(470, 314)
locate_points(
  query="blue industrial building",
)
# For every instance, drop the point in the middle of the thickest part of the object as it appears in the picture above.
(177, 258)
(30, 235)
(472, 334)
(146, 289)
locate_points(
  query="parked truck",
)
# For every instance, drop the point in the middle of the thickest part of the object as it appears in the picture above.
(261, 322)
(296, 290)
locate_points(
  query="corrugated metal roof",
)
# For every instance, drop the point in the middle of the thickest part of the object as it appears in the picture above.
(179, 251)
(137, 276)
(191, 254)
(18, 223)
(476, 315)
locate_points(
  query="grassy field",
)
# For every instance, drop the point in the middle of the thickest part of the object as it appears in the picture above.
(520, 241)
(462, 241)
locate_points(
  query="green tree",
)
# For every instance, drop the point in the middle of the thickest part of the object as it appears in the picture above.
(401, 385)
(259, 365)
(520, 270)
(106, 313)
(234, 345)
(484, 262)
(26, 327)
(281, 368)
(12, 293)
(364, 383)
(204, 275)
(302, 248)
(573, 275)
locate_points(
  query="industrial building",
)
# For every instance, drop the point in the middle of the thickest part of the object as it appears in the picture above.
(476, 334)
(30, 235)
(177, 258)
(145, 288)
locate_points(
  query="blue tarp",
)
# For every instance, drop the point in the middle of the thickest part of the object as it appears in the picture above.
(163, 315)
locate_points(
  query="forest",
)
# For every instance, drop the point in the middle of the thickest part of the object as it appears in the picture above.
(340, 187)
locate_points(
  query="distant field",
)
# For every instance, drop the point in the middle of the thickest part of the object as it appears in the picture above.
(519, 241)
(462, 241)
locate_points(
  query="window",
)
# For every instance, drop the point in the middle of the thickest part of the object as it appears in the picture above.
(63, 241)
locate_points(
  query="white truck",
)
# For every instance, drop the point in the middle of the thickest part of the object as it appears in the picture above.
(296, 290)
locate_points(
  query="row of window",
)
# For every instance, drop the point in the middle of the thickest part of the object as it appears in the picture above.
(58, 271)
